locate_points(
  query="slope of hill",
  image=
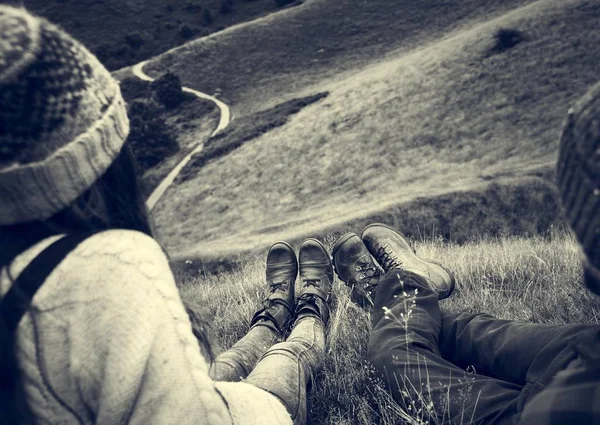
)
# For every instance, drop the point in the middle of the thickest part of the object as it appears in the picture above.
(283, 55)
(441, 118)
(123, 33)
(534, 280)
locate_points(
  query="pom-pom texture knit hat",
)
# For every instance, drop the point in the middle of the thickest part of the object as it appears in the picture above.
(62, 118)
(578, 177)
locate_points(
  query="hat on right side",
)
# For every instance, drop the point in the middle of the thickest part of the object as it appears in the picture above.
(578, 179)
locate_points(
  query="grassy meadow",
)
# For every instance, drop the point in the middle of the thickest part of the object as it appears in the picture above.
(123, 33)
(529, 279)
(451, 116)
(290, 54)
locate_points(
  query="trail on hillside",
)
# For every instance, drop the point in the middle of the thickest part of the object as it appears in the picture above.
(138, 71)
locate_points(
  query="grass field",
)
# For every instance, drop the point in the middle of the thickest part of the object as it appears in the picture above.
(291, 54)
(244, 130)
(440, 119)
(535, 280)
(123, 33)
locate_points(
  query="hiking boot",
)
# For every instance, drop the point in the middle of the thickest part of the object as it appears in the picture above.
(392, 251)
(316, 274)
(356, 267)
(282, 269)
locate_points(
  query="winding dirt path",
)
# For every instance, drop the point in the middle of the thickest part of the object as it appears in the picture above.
(138, 71)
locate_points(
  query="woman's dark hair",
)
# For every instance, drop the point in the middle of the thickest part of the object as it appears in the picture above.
(115, 201)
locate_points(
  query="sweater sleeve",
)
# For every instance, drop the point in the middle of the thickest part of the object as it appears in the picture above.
(133, 358)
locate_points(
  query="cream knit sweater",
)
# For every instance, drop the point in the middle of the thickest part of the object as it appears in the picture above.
(109, 342)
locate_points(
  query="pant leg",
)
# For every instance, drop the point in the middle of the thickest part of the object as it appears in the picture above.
(236, 363)
(528, 354)
(403, 348)
(288, 367)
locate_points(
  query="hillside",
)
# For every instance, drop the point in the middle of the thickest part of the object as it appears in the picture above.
(450, 116)
(123, 33)
(534, 280)
(282, 55)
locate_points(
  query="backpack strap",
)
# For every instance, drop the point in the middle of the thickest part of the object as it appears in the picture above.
(20, 295)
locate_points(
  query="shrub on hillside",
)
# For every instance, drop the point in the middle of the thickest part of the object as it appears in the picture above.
(150, 138)
(505, 39)
(102, 52)
(188, 31)
(133, 88)
(207, 17)
(146, 109)
(193, 6)
(167, 90)
(226, 7)
(134, 40)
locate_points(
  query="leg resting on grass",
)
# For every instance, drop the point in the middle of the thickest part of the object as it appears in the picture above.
(287, 368)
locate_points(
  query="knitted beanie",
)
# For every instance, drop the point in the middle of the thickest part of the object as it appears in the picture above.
(578, 177)
(62, 118)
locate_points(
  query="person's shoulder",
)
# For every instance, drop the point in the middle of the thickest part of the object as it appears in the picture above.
(120, 242)
(115, 258)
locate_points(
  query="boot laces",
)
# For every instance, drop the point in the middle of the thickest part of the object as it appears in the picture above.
(276, 286)
(367, 275)
(312, 282)
(387, 257)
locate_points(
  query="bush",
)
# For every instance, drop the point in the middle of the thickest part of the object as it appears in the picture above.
(150, 138)
(167, 90)
(192, 6)
(147, 109)
(188, 31)
(102, 52)
(123, 51)
(506, 39)
(226, 7)
(281, 3)
(134, 40)
(207, 17)
(133, 88)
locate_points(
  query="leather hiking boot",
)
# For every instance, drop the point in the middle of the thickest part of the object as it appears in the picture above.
(282, 269)
(392, 250)
(316, 274)
(356, 267)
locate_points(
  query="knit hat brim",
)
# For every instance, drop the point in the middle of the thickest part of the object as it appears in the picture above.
(38, 190)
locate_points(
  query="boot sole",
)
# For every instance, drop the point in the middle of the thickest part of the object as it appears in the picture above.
(441, 296)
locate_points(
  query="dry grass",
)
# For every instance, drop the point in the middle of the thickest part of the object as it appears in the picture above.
(536, 280)
(439, 119)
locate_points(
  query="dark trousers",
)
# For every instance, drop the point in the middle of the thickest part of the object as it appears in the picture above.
(422, 355)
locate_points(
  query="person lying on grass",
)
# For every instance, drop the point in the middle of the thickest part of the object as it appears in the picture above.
(526, 373)
(92, 327)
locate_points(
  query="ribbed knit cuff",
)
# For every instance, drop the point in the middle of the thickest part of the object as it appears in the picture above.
(38, 190)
